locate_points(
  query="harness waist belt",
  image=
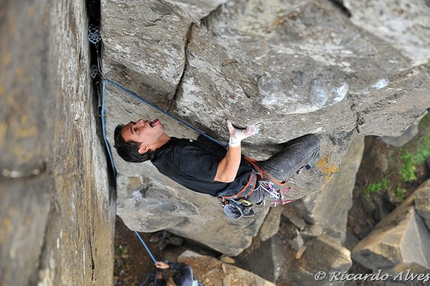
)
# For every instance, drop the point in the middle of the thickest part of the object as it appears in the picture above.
(247, 190)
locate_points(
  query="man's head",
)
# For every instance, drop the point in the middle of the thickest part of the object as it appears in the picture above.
(136, 141)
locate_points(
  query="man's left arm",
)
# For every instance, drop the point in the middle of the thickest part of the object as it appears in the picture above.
(228, 166)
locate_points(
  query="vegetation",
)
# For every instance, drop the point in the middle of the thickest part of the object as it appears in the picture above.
(375, 187)
(409, 160)
(400, 192)
(121, 255)
(408, 157)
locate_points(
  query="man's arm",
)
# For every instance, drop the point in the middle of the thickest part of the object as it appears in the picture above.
(228, 166)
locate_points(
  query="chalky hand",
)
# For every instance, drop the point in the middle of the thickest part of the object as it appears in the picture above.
(237, 135)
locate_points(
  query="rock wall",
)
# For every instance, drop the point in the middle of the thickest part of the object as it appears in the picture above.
(57, 211)
(293, 67)
(401, 240)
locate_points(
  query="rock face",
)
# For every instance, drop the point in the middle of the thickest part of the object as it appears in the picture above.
(211, 271)
(336, 260)
(399, 242)
(329, 208)
(422, 202)
(293, 67)
(56, 210)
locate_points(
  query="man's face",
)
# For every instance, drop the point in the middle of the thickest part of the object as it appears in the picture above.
(145, 132)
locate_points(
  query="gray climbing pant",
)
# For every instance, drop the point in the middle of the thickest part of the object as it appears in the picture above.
(302, 152)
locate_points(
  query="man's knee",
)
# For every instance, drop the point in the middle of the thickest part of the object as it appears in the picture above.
(312, 141)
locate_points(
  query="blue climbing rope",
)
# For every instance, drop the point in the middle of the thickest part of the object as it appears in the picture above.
(102, 115)
(146, 247)
(147, 278)
(152, 257)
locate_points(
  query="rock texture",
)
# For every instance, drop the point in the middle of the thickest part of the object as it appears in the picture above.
(293, 67)
(422, 202)
(336, 259)
(211, 271)
(56, 209)
(400, 240)
(329, 208)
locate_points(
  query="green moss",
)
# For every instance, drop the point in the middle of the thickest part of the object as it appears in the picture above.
(409, 160)
(375, 187)
(399, 193)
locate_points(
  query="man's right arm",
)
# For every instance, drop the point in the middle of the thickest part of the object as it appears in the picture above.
(229, 165)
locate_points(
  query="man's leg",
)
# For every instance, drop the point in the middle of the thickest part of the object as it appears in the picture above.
(298, 153)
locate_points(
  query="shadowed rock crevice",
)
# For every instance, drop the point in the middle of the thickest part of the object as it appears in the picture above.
(339, 4)
(185, 64)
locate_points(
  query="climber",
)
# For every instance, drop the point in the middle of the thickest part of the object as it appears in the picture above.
(209, 168)
(183, 275)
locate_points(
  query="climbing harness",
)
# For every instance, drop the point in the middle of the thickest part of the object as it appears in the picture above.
(277, 195)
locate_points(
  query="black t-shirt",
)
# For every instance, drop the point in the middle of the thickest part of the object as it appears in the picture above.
(193, 164)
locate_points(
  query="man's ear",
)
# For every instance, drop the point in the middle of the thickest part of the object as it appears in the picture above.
(143, 149)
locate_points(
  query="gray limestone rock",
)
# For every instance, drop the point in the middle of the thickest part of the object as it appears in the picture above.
(399, 238)
(268, 253)
(329, 208)
(149, 206)
(291, 67)
(405, 25)
(407, 135)
(211, 271)
(422, 202)
(271, 224)
(322, 254)
(57, 209)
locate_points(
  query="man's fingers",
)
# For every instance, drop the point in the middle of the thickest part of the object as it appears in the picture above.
(251, 130)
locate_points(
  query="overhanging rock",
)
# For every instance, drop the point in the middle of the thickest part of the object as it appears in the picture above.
(293, 68)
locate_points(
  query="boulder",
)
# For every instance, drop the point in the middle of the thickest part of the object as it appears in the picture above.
(322, 254)
(57, 207)
(329, 208)
(422, 202)
(292, 68)
(271, 224)
(211, 271)
(264, 258)
(150, 206)
(407, 135)
(149, 201)
(398, 239)
(404, 26)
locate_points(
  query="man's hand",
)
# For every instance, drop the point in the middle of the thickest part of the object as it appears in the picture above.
(237, 135)
(161, 265)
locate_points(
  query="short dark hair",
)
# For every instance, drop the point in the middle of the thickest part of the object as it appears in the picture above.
(129, 150)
